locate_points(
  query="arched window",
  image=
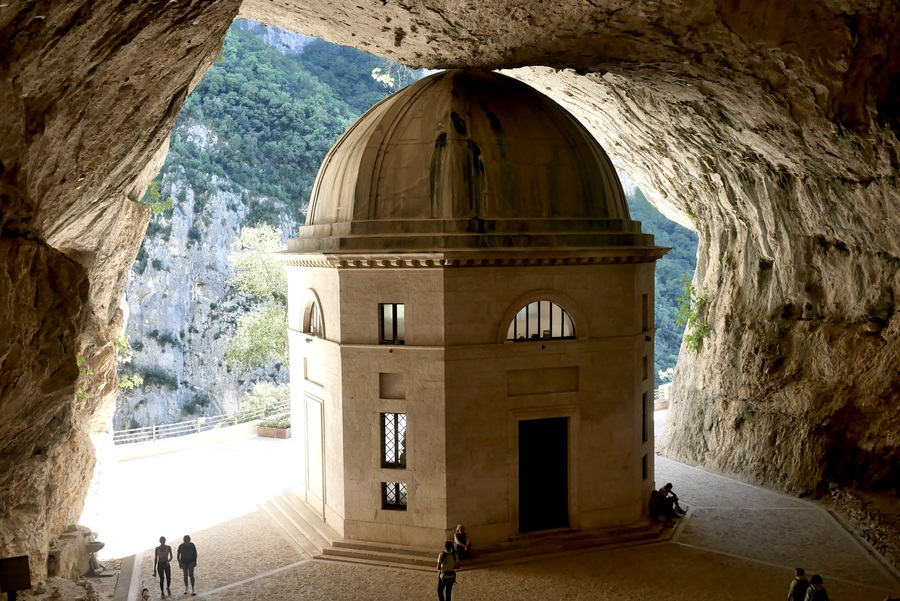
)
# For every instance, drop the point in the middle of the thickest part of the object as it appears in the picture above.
(541, 320)
(315, 325)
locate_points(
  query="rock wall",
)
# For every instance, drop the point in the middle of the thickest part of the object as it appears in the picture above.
(90, 91)
(797, 383)
(770, 127)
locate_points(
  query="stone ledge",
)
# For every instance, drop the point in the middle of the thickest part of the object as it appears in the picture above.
(865, 517)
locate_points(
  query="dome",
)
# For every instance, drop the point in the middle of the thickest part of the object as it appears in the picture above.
(466, 160)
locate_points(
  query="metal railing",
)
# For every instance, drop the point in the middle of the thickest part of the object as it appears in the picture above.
(201, 424)
(661, 394)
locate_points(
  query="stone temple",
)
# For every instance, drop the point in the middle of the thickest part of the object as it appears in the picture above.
(471, 322)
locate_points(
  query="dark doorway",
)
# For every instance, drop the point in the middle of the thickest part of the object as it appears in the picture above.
(543, 474)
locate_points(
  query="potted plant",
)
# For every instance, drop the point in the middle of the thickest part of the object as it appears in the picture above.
(275, 427)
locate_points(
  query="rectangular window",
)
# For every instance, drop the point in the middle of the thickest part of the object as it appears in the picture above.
(645, 411)
(391, 323)
(393, 495)
(644, 466)
(393, 440)
(646, 367)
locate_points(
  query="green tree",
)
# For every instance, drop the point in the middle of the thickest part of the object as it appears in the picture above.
(260, 338)
(264, 397)
(256, 272)
(261, 335)
(692, 314)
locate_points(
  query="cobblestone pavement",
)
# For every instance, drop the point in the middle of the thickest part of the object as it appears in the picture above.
(738, 542)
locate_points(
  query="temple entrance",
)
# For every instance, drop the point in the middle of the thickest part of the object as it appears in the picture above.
(315, 456)
(543, 474)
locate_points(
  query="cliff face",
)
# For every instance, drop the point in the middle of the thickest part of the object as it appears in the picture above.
(770, 127)
(90, 92)
(182, 309)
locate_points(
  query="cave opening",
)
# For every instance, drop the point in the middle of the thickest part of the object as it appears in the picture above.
(227, 170)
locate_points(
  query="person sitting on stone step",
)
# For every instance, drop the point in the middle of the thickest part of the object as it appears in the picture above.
(660, 507)
(462, 543)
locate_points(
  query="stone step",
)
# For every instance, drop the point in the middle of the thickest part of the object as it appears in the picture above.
(387, 548)
(290, 529)
(299, 523)
(374, 555)
(538, 546)
(382, 562)
(318, 540)
(311, 518)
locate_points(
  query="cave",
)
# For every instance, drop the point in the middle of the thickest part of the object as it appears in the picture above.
(770, 128)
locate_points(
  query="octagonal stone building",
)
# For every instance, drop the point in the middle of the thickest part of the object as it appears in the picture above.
(471, 322)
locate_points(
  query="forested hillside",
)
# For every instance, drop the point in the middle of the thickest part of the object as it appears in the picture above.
(274, 117)
(245, 151)
(681, 260)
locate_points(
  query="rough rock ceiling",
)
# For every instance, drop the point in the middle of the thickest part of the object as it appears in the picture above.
(770, 127)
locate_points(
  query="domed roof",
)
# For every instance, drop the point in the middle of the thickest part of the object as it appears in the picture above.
(466, 160)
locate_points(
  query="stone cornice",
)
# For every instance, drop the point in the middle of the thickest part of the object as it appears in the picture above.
(451, 260)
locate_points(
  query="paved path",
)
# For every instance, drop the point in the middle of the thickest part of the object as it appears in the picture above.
(738, 542)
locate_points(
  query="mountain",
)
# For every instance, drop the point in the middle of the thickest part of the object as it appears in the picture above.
(245, 150)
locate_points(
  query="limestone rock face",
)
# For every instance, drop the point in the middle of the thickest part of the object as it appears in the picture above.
(797, 384)
(89, 92)
(770, 127)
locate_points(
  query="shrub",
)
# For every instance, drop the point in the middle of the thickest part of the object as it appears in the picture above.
(279, 421)
(154, 376)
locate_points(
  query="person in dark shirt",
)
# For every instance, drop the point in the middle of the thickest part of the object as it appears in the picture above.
(462, 543)
(187, 561)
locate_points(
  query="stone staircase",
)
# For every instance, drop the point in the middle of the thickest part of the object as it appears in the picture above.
(318, 540)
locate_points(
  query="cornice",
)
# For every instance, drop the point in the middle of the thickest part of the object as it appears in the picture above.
(432, 261)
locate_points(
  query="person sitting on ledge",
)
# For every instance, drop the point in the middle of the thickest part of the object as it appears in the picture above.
(462, 543)
(660, 507)
(666, 492)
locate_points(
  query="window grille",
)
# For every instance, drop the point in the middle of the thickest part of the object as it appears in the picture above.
(393, 440)
(316, 325)
(393, 495)
(541, 320)
(392, 326)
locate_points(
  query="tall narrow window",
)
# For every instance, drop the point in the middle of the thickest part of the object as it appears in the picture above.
(541, 320)
(391, 323)
(393, 440)
(646, 366)
(316, 325)
(393, 495)
(644, 467)
(645, 312)
(644, 415)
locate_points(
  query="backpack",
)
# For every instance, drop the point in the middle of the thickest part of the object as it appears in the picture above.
(798, 589)
(448, 565)
(818, 594)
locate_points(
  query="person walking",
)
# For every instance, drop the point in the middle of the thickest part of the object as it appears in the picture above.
(799, 584)
(816, 590)
(448, 563)
(187, 561)
(161, 558)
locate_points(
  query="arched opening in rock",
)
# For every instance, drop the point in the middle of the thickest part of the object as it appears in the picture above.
(775, 136)
(178, 296)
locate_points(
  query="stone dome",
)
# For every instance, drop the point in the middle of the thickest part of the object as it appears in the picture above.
(466, 160)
